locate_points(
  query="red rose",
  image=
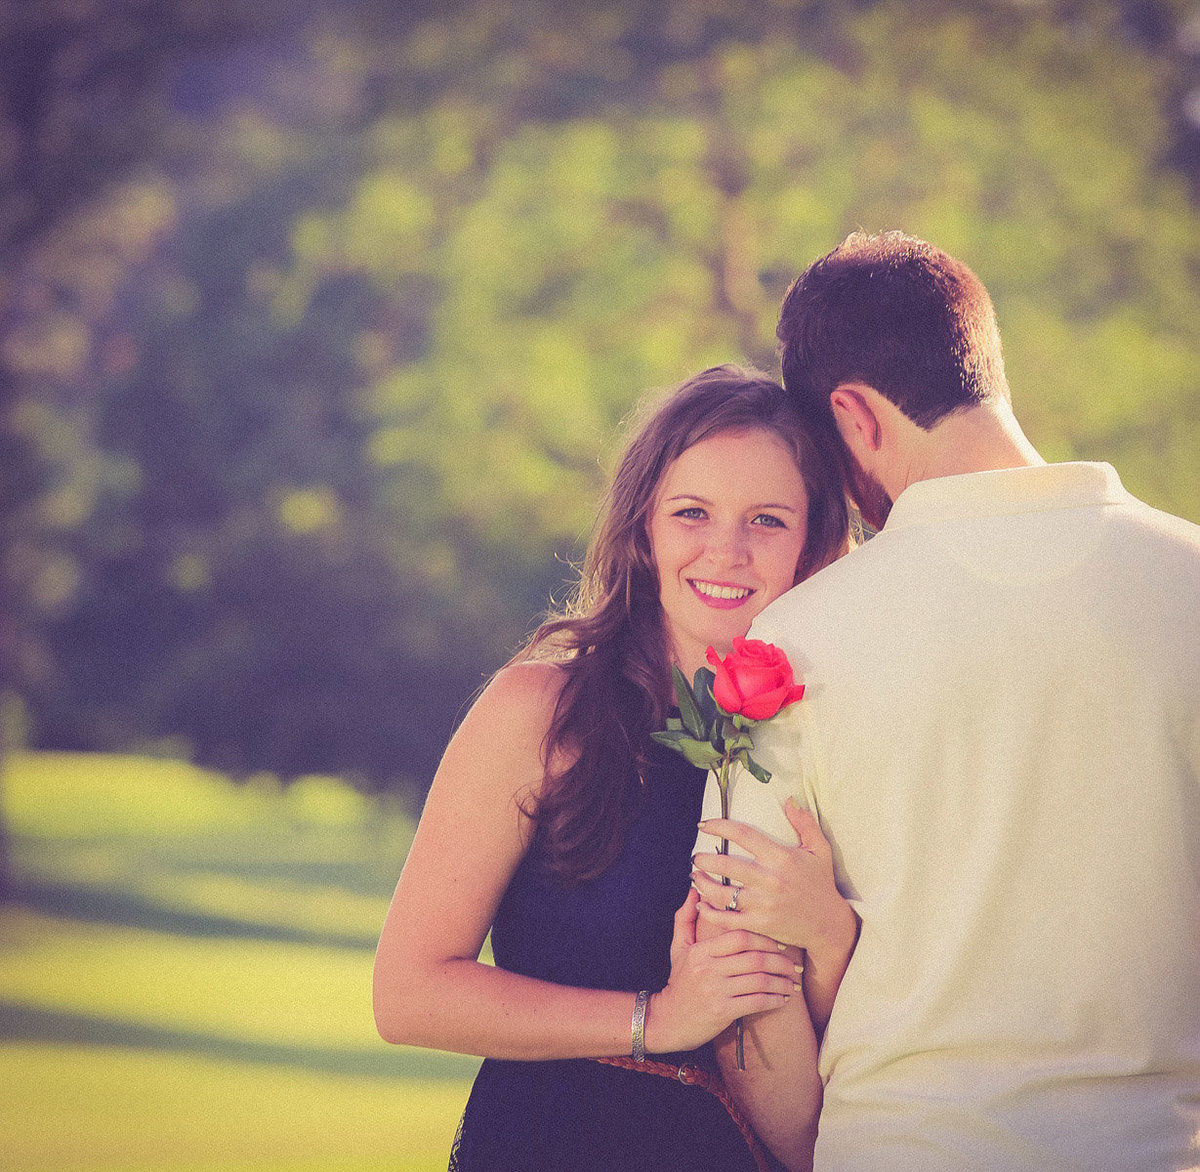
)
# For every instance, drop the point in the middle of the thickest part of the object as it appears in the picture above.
(755, 679)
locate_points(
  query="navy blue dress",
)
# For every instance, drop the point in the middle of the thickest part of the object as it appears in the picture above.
(612, 932)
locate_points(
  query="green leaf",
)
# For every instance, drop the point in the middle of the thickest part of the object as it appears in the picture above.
(754, 767)
(724, 735)
(700, 753)
(703, 691)
(688, 711)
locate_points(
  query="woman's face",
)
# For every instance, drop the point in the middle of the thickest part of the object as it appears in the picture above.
(726, 530)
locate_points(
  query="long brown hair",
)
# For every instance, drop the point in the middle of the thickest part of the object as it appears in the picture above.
(610, 639)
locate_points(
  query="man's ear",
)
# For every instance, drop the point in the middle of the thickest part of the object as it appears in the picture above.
(856, 418)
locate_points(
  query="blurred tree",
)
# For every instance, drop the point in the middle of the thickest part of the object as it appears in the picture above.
(81, 89)
(91, 97)
(327, 390)
(241, 591)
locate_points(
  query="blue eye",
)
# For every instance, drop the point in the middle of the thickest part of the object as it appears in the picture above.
(770, 521)
(691, 513)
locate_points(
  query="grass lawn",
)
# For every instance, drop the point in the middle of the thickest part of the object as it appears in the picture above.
(185, 978)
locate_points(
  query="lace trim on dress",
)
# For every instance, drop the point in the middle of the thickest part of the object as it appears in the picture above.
(453, 1166)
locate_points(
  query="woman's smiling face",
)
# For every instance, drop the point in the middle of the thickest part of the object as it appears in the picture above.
(726, 532)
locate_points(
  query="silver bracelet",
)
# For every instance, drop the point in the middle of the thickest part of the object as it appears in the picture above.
(639, 1025)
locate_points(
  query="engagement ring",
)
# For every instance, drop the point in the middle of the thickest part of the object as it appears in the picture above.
(731, 906)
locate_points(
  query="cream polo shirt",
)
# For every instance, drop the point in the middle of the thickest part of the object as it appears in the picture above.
(1001, 738)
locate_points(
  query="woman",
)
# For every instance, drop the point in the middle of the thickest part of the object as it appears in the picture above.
(556, 822)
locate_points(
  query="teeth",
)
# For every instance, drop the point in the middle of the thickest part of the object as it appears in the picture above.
(712, 590)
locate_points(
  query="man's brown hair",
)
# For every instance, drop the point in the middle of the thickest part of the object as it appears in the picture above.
(897, 314)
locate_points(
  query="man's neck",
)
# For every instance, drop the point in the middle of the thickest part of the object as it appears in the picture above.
(982, 439)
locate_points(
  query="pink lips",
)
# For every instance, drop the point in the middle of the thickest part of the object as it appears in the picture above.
(720, 595)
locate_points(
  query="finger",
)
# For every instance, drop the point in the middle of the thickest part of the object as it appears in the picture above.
(718, 895)
(752, 1003)
(711, 890)
(748, 984)
(775, 963)
(756, 921)
(729, 866)
(755, 970)
(735, 921)
(737, 940)
(748, 838)
(807, 828)
(685, 920)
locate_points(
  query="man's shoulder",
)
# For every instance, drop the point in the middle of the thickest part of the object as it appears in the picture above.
(1166, 526)
(1157, 544)
(832, 595)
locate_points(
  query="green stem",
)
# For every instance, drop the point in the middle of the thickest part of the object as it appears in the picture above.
(723, 786)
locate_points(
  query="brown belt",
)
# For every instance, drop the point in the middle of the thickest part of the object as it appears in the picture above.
(709, 1080)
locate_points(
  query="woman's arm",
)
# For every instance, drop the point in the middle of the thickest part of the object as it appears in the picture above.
(788, 894)
(780, 1090)
(430, 988)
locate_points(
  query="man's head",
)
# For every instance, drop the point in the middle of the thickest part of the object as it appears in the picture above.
(895, 323)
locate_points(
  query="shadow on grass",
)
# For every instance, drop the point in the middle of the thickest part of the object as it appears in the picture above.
(23, 1023)
(350, 863)
(125, 910)
(355, 877)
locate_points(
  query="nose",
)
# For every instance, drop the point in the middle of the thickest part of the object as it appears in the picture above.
(729, 546)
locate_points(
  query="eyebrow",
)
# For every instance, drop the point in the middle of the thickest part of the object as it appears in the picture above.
(691, 496)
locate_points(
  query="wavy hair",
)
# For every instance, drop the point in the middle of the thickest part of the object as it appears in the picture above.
(610, 638)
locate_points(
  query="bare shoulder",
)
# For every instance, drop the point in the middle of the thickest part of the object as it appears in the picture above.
(534, 681)
(476, 822)
(521, 695)
(509, 722)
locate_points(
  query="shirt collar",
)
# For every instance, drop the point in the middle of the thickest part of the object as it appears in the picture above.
(1007, 491)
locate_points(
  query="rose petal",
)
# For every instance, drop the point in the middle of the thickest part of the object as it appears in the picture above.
(757, 651)
(766, 704)
(752, 679)
(725, 691)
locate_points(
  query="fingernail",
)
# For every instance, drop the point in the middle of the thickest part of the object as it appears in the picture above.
(781, 947)
(798, 988)
(798, 967)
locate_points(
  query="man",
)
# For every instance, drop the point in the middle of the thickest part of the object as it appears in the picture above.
(1001, 739)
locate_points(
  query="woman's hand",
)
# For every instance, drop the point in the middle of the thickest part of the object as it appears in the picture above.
(786, 893)
(714, 982)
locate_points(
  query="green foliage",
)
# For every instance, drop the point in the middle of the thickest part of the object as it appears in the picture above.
(707, 735)
(327, 383)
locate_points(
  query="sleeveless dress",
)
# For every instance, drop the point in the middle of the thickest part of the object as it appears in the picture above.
(612, 932)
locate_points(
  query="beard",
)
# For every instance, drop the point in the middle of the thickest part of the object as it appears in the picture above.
(873, 502)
